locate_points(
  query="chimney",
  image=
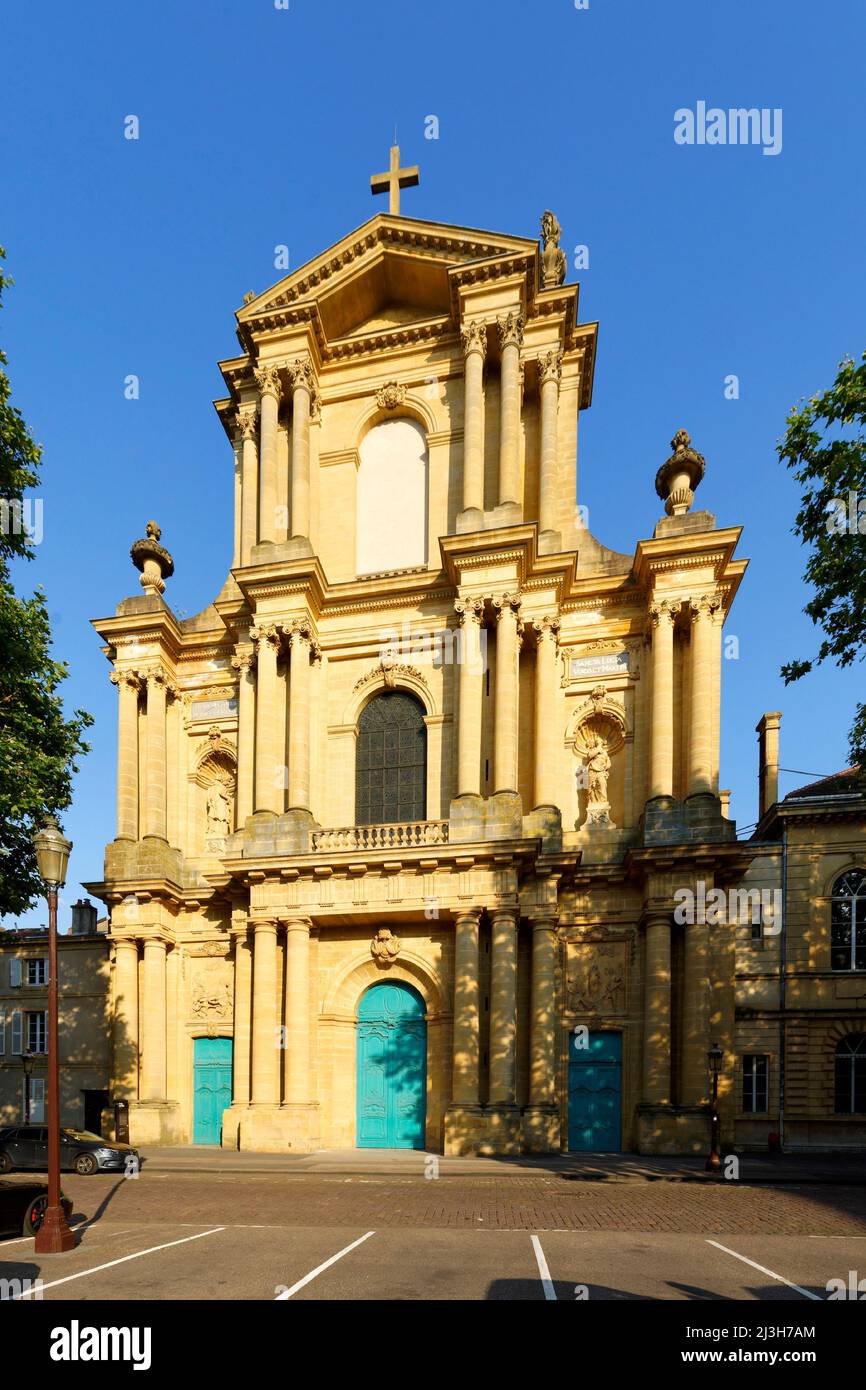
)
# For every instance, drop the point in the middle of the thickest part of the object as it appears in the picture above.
(83, 918)
(767, 730)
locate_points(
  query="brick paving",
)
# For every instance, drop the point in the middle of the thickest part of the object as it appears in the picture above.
(504, 1203)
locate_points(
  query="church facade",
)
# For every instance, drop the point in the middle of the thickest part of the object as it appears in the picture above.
(402, 816)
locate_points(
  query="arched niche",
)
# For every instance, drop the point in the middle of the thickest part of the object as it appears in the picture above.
(214, 788)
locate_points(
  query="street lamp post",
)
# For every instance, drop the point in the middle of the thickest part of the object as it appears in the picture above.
(714, 1162)
(52, 857)
(27, 1067)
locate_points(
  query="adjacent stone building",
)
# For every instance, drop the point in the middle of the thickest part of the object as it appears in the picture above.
(403, 813)
(84, 1022)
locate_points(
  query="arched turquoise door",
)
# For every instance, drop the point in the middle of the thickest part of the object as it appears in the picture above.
(392, 1068)
(594, 1094)
(212, 1088)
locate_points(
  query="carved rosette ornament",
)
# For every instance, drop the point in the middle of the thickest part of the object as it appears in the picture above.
(510, 327)
(553, 259)
(473, 336)
(268, 380)
(385, 948)
(680, 475)
(389, 396)
(153, 560)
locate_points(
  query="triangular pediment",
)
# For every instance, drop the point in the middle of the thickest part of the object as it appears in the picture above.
(390, 272)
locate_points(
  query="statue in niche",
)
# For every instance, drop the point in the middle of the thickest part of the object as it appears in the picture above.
(594, 775)
(218, 812)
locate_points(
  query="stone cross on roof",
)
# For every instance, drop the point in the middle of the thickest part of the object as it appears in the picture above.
(395, 179)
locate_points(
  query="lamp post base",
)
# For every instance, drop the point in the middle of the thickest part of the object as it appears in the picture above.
(54, 1236)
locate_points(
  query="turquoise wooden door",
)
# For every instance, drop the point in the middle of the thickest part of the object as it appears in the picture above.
(594, 1094)
(212, 1088)
(392, 1066)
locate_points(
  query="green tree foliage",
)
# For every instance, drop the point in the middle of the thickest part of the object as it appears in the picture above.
(824, 446)
(38, 745)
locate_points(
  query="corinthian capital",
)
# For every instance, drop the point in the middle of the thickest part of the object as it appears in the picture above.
(473, 336)
(547, 628)
(268, 379)
(245, 423)
(664, 610)
(704, 606)
(469, 609)
(506, 603)
(244, 659)
(264, 635)
(300, 633)
(301, 374)
(132, 679)
(550, 366)
(510, 327)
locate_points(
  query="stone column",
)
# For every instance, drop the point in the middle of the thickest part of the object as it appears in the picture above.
(301, 374)
(542, 1009)
(505, 747)
(242, 1011)
(238, 446)
(246, 424)
(300, 640)
(503, 1007)
(662, 616)
(549, 377)
(244, 661)
(510, 338)
(128, 685)
(269, 743)
(265, 1089)
(693, 1071)
(465, 1050)
(657, 1010)
(474, 338)
(268, 379)
(155, 780)
(701, 731)
(471, 675)
(297, 1034)
(153, 1021)
(125, 1027)
(548, 743)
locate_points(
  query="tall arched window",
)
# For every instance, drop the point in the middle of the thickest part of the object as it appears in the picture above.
(848, 922)
(851, 1075)
(391, 768)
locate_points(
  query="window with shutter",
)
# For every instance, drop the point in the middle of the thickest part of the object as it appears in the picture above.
(37, 1100)
(15, 972)
(16, 1047)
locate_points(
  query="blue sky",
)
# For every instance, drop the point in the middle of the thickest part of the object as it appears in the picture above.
(261, 126)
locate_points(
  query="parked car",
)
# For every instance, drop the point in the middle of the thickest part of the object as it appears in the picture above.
(22, 1207)
(26, 1146)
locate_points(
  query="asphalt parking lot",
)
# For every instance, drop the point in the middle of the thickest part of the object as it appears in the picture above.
(273, 1237)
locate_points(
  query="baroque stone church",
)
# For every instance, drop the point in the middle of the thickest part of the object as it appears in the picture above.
(402, 813)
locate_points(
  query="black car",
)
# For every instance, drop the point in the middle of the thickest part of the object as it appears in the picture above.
(26, 1146)
(22, 1207)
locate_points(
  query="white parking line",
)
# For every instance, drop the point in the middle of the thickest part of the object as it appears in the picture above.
(546, 1281)
(82, 1274)
(780, 1278)
(308, 1278)
(82, 1226)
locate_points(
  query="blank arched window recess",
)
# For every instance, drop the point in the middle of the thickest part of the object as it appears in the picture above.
(391, 520)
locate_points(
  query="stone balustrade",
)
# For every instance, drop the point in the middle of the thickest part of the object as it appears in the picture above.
(397, 835)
